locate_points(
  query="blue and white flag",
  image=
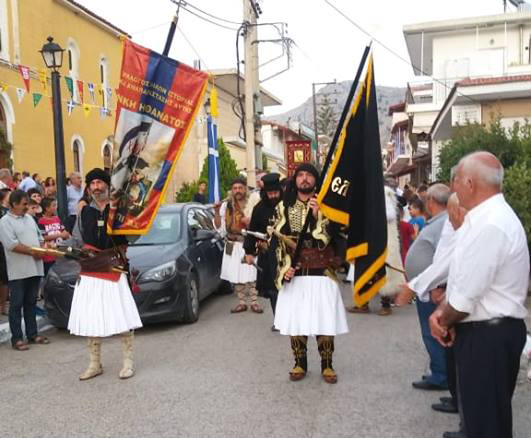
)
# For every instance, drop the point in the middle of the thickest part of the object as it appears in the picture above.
(214, 179)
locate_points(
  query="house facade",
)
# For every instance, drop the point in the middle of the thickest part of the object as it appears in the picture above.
(479, 67)
(92, 56)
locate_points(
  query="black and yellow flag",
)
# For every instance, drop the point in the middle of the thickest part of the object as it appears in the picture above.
(352, 192)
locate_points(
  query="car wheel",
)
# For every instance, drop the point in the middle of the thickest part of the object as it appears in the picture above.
(191, 305)
(224, 288)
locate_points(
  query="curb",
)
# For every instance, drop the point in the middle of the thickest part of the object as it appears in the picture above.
(42, 325)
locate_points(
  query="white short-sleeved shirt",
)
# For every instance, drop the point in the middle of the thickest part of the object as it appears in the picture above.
(489, 269)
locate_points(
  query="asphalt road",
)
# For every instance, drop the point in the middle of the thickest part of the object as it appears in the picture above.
(227, 376)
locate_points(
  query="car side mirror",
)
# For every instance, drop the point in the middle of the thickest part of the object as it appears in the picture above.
(200, 235)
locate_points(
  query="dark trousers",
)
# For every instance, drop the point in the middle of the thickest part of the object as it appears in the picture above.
(488, 359)
(23, 297)
(435, 350)
(451, 374)
(272, 294)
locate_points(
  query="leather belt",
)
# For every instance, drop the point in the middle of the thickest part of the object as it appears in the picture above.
(303, 272)
(487, 323)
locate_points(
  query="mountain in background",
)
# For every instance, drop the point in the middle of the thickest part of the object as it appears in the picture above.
(337, 94)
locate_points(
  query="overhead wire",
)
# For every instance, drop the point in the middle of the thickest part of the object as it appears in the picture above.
(207, 19)
(361, 29)
(212, 15)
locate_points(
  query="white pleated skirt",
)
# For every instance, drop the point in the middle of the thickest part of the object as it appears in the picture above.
(102, 308)
(232, 268)
(310, 306)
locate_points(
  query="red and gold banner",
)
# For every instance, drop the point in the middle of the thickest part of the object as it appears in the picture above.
(297, 152)
(157, 101)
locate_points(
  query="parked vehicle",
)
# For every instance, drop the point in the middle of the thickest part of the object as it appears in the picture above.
(174, 266)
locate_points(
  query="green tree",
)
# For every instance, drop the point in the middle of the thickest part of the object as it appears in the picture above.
(326, 117)
(228, 171)
(513, 149)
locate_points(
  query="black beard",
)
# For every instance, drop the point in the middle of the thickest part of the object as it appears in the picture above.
(305, 190)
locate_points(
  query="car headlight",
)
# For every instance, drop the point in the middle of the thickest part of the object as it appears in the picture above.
(160, 273)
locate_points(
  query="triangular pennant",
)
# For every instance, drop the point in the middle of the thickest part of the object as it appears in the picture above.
(70, 107)
(36, 99)
(91, 91)
(43, 80)
(3, 87)
(80, 89)
(87, 109)
(70, 85)
(25, 72)
(103, 112)
(20, 94)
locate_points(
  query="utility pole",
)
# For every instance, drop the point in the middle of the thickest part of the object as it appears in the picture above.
(314, 100)
(251, 86)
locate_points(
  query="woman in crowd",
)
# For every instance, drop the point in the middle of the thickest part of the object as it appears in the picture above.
(50, 189)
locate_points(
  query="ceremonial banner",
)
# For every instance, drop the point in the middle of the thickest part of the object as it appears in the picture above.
(157, 101)
(297, 152)
(353, 191)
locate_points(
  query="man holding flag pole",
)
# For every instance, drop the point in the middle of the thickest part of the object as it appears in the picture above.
(350, 193)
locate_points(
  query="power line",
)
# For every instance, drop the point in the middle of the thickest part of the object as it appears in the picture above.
(211, 15)
(151, 27)
(204, 18)
(393, 52)
(193, 48)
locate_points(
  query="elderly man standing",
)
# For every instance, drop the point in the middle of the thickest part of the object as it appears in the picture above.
(484, 308)
(230, 219)
(419, 257)
(74, 192)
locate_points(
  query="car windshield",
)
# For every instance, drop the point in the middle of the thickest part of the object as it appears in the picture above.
(165, 230)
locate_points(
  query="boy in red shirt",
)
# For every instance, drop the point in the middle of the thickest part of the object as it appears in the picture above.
(52, 229)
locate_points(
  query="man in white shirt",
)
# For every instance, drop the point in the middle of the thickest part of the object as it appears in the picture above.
(27, 182)
(74, 192)
(484, 308)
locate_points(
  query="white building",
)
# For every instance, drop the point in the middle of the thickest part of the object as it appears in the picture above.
(475, 63)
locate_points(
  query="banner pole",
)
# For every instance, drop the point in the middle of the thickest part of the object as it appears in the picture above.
(171, 31)
(346, 109)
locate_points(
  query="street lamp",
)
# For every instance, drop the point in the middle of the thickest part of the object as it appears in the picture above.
(52, 53)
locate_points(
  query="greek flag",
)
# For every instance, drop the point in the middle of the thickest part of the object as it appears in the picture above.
(214, 180)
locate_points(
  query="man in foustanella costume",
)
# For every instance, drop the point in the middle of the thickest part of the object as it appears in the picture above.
(102, 305)
(262, 214)
(309, 299)
(230, 220)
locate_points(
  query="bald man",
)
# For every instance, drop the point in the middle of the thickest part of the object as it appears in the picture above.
(484, 309)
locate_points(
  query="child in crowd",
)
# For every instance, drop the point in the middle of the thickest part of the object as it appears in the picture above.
(417, 213)
(34, 210)
(51, 228)
(407, 233)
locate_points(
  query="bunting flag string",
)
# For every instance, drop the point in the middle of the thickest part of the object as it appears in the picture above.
(80, 89)
(70, 107)
(25, 73)
(20, 94)
(36, 99)
(70, 85)
(91, 91)
(87, 109)
(3, 87)
(43, 80)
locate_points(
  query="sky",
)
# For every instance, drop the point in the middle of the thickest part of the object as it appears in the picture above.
(328, 47)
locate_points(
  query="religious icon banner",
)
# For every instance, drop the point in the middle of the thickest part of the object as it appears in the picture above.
(157, 102)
